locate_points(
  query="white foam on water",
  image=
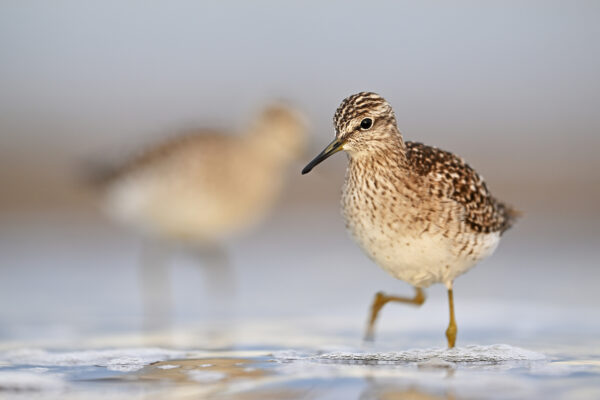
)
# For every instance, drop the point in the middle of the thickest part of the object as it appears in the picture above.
(167, 366)
(125, 364)
(431, 374)
(291, 355)
(205, 376)
(30, 381)
(123, 360)
(497, 353)
(435, 363)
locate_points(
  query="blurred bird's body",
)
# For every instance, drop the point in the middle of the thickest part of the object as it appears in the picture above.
(421, 213)
(197, 191)
(205, 187)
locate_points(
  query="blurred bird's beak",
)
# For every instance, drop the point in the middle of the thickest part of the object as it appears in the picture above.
(333, 148)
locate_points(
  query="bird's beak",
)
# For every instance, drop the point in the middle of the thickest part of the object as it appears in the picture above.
(333, 148)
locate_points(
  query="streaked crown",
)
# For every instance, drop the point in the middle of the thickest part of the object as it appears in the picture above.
(358, 105)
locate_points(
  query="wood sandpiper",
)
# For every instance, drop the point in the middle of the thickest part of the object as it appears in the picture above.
(421, 213)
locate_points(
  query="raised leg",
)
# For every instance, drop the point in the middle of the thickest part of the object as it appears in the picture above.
(451, 331)
(381, 299)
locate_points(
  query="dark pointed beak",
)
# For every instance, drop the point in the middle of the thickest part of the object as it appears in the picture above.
(333, 148)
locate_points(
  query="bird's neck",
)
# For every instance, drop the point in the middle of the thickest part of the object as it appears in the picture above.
(386, 151)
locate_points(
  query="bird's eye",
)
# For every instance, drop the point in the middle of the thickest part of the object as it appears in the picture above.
(366, 123)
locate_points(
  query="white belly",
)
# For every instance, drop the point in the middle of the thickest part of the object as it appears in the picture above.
(422, 259)
(188, 209)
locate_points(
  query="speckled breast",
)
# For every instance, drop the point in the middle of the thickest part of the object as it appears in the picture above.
(410, 242)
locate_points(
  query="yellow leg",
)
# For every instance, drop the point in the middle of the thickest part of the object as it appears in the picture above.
(451, 331)
(381, 300)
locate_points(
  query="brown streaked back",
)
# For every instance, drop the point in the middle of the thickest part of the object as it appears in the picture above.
(459, 182)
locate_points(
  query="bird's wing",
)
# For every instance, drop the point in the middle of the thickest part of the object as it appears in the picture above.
(171, 146)
(460, 183)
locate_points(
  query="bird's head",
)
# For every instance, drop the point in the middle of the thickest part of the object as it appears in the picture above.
(280, 130)
(364, 123)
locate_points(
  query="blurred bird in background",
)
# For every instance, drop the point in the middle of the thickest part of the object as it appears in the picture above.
(197, 191)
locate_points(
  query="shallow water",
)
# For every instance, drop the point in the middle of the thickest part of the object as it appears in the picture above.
(303, 359)
(337, 370)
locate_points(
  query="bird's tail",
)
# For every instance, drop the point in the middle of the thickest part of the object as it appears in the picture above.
(510, 214)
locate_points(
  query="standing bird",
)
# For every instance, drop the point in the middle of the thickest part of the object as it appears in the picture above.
(201, 189)
(207, 186)
(421, 213)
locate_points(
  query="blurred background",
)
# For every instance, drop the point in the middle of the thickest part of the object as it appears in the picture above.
(513, 87)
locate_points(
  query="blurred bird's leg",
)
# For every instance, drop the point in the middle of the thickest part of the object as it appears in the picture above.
(452, 329)
(218, 271)
(382, 299)
(155, 285)
(220, 282)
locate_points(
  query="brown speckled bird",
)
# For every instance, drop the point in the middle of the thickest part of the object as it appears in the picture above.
(421, 213)
(198, 191)
(206, 186)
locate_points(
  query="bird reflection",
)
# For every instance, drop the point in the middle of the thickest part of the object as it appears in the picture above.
(197, 191)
